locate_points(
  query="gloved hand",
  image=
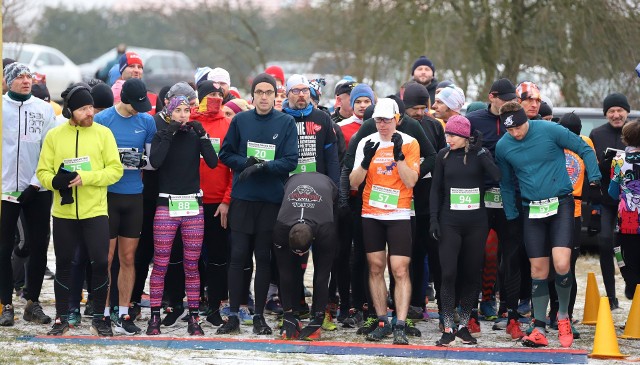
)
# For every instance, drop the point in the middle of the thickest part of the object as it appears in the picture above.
(63, 178)
(198, 128)
(434, 230)
(250, 171)
(173, 127)
(131, 158)
(595, 194)
(252, 161)
(396, 138)
(369, 151)
(475, 142)
(66, 195)
(28, 194)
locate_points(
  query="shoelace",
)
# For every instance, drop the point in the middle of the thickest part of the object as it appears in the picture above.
(370, 321)
(564, 327)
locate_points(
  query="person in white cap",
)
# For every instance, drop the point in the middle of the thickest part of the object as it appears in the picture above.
(449, 102)
(389, 163)
(221, 79)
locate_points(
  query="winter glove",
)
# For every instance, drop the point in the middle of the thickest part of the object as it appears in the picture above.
(131, 159)
(198, 128)
(63, 178)
(475, 142)
(250, 171)
(66, 195)
(396, 138)
(595, 194)
(252, 161)
(434, 231)
(28, 194)
(369, 151)
(173, 127)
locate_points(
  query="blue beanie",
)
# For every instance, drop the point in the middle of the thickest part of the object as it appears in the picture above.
(361, 90)
(423, 61)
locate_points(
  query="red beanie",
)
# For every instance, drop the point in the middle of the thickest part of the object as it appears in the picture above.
(276, 72)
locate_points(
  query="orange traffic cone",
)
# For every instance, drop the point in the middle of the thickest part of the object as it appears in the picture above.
(632, 328)
(591, 301)
(1, 306)
(605, 343)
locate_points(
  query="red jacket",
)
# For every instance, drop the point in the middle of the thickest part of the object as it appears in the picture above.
(215, 183)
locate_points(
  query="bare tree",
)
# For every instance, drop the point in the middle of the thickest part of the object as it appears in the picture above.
(17, 25)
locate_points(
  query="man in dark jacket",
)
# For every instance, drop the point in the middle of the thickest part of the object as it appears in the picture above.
(423, 72)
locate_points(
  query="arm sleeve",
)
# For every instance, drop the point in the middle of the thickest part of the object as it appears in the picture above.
(112, 171)
(507, 188)
(160, 147)
(435, 195)
(208, 153)
(288, 159)
(229, 150)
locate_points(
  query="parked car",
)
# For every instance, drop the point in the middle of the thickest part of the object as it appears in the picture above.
(161, 67)
(59, 70)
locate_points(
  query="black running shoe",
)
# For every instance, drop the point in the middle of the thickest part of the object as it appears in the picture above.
(101, 327)
(260, 326)
(411, 330)
(153, 326)
(369, 326)
(290, 329)
(447, 339)
(399, 336)
(215, 318)
(383, 330)
(465, 336)
(60, 327)
(354, 320)
(193, 328)
(33, 313)
(135, 311)
(415, 313)
(7, 318)
(173, 315)
(124, 325)
(231, 327)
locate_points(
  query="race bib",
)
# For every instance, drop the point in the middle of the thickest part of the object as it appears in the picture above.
(307, 164)
(77, 164)
(543, 208)
(493, 198)
(215, 142)
(183, 205)
(11, 196)
(262, 151)
(384, 198)
(465, 199)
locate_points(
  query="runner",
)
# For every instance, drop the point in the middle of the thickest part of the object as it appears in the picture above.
(131, 67)
(79, 160)
(176, 151)
(133, 130)
(423, 72)
(389, 162)
(449, 102)
(548, 206)
(459, 222)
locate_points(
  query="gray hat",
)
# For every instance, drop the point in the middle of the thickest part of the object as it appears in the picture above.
(182, 88)
(13, 70)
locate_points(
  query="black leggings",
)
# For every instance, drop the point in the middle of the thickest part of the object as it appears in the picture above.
(93, 233)
(217, 244)
(461, 260)
(605, 244)
(241, 248)
(36, 215)
(144, 252)
(509, 253)
(631, 255)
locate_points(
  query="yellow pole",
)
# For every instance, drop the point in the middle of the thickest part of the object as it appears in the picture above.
(1, 124)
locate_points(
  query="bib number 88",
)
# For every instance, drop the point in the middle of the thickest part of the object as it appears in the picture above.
(183, 205)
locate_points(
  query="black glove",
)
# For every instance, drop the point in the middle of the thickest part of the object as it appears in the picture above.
(66, 195)
(475, 141)
(595, 194)
(250, 171)
(173, 127)
(63, 178)
(290, 326)
(396, 138)
(369, 151)
(28, 194)
(252, 161)
(131, 158)
(198, 128)
(434, 230)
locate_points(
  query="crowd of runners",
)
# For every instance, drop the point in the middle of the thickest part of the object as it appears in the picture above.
(204, 187)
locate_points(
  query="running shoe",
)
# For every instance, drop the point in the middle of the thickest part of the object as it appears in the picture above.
(88, 308)
(74, 318)
(274, 306)
(535, 339)
(215, 318)
(312, 330)
(383, 330)
(153, 326)
(225, 310)
(473, 325)
(447, 339)
(101, 327)
(60, 327)
(513, 329)
(251, 304)
(465, 336)
(354, 320)
(327, 323)
(530, 327)
(245, 317)
(415, 313)
(410, 329)
(290, 328)
(431, 293)
(305, 311)
(7, 318)
(369, 326)
(173, 315)
(614, 304)
(124, 325)
(565, 336)
(33, 313)
(260, 326)
(232, 326)
(488, 310)
(135, 311)
(399, 336)
(193, 326)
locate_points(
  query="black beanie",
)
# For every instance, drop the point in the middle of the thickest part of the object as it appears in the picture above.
(423, 61)
(401, 106)
(102, 96)
(545, 110)
(207, 87)
(263, 77)
(415, 94)
(79, 99)
(615, 99)
(572, 122)
(40, 91)
(368, 113)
